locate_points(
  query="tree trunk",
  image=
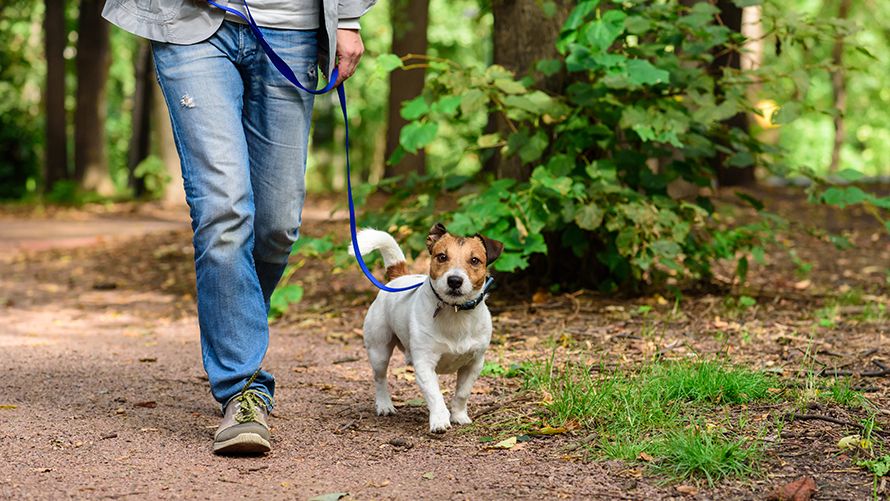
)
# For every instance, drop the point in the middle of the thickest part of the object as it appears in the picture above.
(409, 25)
(523, 35)
(839, 89)
(90, 160)
(56, 159)
(140, 137)
(731, 15)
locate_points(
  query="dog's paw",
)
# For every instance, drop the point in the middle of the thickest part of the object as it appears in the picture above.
(460, 418)
(439, 424)
(385, 409)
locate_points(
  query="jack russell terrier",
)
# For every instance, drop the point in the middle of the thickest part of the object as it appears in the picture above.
(442, 327)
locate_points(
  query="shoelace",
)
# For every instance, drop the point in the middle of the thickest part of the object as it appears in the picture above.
(250, 401)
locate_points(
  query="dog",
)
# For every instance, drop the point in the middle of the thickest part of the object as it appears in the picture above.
(442, 327)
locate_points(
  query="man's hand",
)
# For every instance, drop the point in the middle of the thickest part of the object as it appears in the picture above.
(349, 51)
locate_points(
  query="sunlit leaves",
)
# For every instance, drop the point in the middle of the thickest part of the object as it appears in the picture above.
(416, 135)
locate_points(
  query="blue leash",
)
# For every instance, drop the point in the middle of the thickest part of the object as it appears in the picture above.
(341, 94)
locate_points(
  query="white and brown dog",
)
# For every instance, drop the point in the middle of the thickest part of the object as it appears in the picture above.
(443, 326)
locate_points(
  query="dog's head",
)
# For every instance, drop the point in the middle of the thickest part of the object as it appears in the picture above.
(459, 264)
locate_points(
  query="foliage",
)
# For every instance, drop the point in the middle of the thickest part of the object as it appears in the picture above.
(879, 467)
(21, 70)
(154, 175)
(459, 30)
(645, 110)
(287, 294)
(808, 138)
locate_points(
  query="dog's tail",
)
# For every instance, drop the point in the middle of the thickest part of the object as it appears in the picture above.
(393, 258)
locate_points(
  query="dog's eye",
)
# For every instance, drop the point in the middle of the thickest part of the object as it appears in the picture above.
(441, 257)
(475, 261)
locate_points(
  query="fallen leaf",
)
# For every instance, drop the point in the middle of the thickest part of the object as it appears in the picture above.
(41, 470)
(645, 457)
(687, 490)
(151, 404)
(540, 296)
(415, 402)
(803, 284)
(549, 430)
(331, 496)
(428, 475)
(801, 489)
(8, 406)
(849, 442)
(148, 359)
(504, 444)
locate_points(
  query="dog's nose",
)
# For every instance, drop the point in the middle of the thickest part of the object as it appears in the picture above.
(455, 282)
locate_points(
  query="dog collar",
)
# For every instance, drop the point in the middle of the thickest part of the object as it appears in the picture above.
(468, 305)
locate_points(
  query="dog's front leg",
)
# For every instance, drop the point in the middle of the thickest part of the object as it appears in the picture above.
(428, 381)
(466, 377)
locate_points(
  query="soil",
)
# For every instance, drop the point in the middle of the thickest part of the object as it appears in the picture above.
(103, 394)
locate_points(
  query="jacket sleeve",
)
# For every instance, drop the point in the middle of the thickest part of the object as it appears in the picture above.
(349, 12)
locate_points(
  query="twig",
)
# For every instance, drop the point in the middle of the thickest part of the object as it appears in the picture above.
(345, 360)
(885, 371)
(819, 417)
(829, 419)
(669, 347)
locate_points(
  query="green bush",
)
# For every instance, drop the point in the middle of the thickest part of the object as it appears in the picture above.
(643, 108)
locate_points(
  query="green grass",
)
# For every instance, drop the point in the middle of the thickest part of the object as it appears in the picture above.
(667, 410)
(842, 393)
(709, 455)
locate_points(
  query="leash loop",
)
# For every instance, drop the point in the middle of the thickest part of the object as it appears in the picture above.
(285, 71)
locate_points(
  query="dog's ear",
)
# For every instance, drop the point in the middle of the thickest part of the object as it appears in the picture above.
(436, 232)
(493, 248)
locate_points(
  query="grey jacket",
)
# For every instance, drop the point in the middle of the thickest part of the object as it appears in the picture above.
(191, 21)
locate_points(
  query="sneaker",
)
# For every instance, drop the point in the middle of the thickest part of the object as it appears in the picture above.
(243, 429)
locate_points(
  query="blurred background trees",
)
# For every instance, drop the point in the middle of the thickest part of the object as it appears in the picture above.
(665, 100)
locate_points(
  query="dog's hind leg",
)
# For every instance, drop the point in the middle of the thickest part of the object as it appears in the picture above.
(380, 344)
(466, 377)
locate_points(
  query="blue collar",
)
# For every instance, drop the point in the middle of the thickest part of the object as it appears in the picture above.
(469, 305)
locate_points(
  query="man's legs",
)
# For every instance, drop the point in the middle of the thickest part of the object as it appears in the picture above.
(204, 91)
(276, 122)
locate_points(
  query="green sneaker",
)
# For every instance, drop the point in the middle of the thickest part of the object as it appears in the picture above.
(243, 430)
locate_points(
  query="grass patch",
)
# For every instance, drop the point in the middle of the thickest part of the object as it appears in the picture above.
(709, 455)
(842, 393)
(675, 412)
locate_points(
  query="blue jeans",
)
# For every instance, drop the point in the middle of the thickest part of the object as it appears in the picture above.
(241, 130)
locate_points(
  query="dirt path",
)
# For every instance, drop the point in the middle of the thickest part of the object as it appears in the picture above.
(103, 395)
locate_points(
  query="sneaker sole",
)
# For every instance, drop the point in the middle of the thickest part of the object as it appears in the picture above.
(245, 443)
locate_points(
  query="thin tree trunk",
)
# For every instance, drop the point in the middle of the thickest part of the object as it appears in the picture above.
(522, 36)
(731, 15)
(409, 26)
(56, 159)
(839, 89)
(140, 137)
(90, 160)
